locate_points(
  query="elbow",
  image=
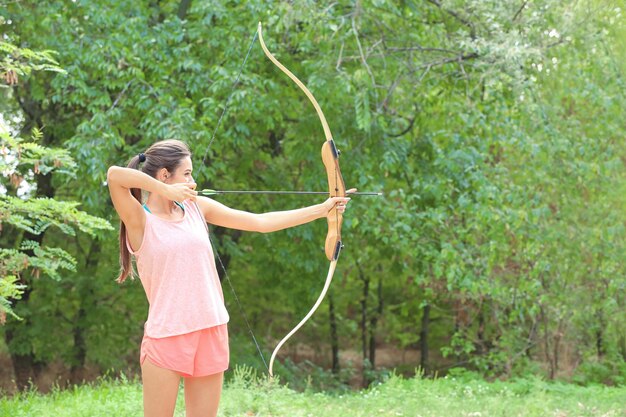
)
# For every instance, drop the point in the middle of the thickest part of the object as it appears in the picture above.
(262, 226)
(111, 173)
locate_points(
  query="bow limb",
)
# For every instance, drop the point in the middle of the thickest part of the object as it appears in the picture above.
(295, 79)
(336, 188)
(329, 277)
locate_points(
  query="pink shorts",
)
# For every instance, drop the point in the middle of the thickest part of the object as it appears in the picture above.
(200, 353)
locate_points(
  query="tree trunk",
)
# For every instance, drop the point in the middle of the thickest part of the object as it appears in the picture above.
(26, 369)
(365, 295)
(364, 331)
(183, 7)
(546, 343)
(600, 334)
(557, 344)
(424, 339)
(85, 290)
(374, 322)
(334, 340)
(80, 347)
(481, 347)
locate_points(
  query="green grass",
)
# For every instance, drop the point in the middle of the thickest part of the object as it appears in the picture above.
(244, 395)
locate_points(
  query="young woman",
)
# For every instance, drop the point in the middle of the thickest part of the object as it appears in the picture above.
(185, 334)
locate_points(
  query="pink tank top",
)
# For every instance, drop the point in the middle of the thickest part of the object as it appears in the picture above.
(177, 270)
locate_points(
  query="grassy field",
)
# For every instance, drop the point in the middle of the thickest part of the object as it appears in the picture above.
(247, 396)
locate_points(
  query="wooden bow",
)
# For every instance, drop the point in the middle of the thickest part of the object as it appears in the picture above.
(336, 188)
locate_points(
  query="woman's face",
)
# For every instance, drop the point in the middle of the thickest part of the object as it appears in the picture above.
(182, 174)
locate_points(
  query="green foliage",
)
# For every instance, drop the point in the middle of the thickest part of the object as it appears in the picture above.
(606, 371)
(36, 215)
(22, 61)
(28, 157)
(46, 260)
(10, 288)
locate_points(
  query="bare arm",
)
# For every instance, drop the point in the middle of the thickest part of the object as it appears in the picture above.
(121, 180)
(221, 215)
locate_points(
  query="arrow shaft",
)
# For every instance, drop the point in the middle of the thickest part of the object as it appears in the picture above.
(213, 192)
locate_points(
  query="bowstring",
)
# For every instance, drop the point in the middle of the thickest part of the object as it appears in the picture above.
(232, 92)
(245, 317)
(219, 121)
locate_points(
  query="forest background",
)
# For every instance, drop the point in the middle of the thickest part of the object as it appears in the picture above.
(495, 129)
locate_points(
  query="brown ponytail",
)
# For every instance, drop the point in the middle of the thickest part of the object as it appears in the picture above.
(166, 154)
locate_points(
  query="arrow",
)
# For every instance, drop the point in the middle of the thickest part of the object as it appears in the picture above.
(215, 192)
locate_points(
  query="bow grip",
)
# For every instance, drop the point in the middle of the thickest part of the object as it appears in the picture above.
(336, 188)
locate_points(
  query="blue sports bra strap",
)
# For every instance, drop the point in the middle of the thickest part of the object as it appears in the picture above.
(145, 206)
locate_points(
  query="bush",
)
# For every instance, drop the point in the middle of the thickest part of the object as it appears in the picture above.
(606, 371)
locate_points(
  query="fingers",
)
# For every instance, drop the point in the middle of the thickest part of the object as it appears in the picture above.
(191, 192)
(340, 203)
(184, 191)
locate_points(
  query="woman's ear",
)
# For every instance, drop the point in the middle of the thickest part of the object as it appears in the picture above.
(163, 174)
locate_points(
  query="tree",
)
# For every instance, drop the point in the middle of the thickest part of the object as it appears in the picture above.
(25, 219)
